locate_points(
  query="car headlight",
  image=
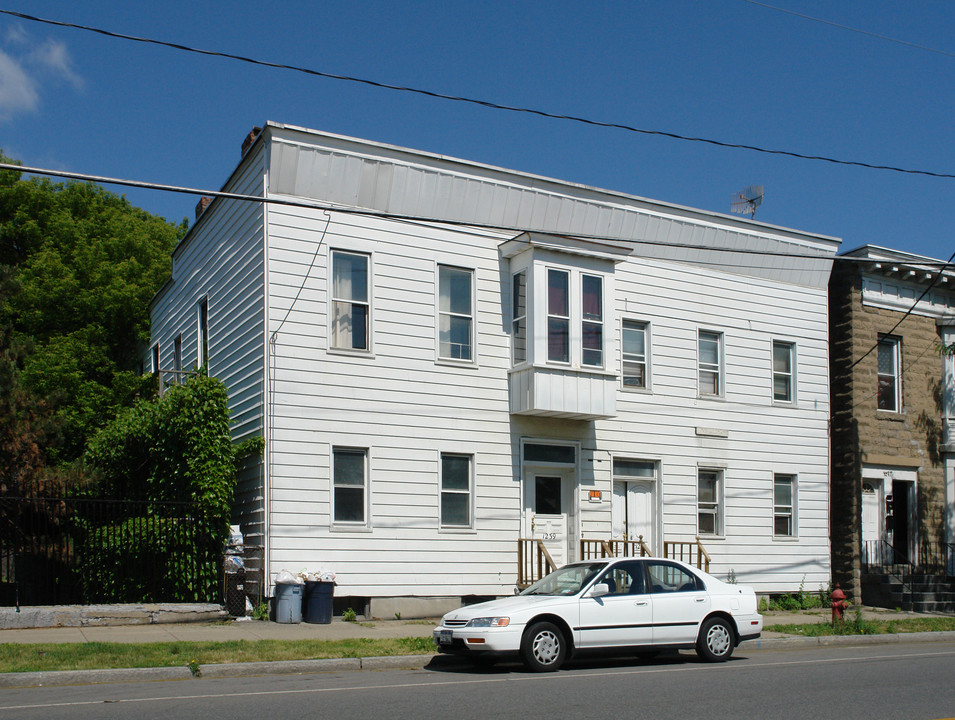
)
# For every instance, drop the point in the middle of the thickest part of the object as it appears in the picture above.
(489, 622)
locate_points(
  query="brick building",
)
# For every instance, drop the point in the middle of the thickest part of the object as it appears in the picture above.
(891, 385)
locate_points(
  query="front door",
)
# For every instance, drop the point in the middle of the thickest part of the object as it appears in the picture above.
(548, 500)
(633, 511)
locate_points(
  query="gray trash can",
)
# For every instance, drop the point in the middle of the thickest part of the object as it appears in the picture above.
(287, 602)
(318, 602)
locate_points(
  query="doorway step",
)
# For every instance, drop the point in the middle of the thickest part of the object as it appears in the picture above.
(920, 592)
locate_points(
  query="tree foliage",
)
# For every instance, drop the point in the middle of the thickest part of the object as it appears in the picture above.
(177, 448)
(81, 266)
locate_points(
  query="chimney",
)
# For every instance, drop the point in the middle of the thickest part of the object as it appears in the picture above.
(249, 139)
(201, 206)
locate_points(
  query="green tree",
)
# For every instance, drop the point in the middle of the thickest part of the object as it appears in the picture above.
(82, 266)
(177, 448)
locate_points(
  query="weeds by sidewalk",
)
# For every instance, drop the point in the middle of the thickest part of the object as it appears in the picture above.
(857, 625)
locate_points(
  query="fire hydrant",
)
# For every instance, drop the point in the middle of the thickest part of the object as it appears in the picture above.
(838, 603)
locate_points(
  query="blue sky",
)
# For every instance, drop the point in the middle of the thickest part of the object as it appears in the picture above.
(730, 70)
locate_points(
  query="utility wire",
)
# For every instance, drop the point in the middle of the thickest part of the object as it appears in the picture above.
(851, 29)
(484, 103)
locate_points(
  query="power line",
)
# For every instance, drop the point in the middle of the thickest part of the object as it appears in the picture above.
(851, 29)
(484, 103)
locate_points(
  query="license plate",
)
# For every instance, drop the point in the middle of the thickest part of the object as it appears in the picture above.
(444, 637)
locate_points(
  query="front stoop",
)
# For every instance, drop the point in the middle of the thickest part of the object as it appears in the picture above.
(108, 615)
(924, 593)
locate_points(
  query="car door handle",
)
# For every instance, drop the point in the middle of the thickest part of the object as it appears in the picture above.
(701, 599)
(640, 602)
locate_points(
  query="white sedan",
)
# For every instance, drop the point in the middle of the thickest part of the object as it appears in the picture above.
(642, 605)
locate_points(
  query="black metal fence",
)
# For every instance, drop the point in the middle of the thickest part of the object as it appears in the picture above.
(56, 551)
(936, 558)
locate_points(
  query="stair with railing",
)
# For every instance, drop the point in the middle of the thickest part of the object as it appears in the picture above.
(890, 580)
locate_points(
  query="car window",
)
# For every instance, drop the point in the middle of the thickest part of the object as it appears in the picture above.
(666, 578)
(624, 579)
(568, 580)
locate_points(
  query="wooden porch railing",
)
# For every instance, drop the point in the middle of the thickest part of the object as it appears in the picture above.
(691, 552)
(533, 561)
(596, 549)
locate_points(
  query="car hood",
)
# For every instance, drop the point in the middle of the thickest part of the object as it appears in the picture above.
(505, 606)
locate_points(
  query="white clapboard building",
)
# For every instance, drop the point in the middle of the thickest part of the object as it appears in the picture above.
(464, 374)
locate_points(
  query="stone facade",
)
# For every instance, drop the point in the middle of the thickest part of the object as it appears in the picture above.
(861, 434)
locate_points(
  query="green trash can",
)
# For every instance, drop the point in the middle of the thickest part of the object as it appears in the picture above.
(318, 602)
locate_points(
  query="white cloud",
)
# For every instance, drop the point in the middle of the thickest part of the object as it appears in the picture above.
(54, 57)
(18, 90)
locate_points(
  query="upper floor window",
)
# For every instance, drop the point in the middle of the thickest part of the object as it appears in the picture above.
(519, 321)
(154, 358)
(889, 380)
(202, 321)
(784, 378)
(177, 359)
(349, 485)
(351, 307)
(455, 313)
(634, 361)
(711, 363)
(592, 320)
(558, 316)
(710, 502)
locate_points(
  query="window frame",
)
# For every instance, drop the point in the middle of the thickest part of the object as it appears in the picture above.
(896, 344)
(471, 318)
(552, 319)
(645, 327)
(519, 322)
(716, 368)
(791, 375)
(365, 522)
(202, 333)
(366, 303)
(468, 492)
(715, 508)
(599, 322)
(780, 511)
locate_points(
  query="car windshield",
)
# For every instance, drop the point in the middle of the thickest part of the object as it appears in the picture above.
(567, 581)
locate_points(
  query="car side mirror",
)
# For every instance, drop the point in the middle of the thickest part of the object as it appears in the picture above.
(599, 590)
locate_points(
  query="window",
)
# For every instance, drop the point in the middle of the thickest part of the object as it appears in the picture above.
(890, 387)
(455, 315)
(154, 358)
(558, 316)
(711, 363)
(625, 579)
(709, 502)
(349, 483)
(634, 354)
(519, 315)
(592, 323)
(203, 332)
(667, 578)
(351, 309)
(784, 494)
(783, 371)
(455, 490)
(177, 359)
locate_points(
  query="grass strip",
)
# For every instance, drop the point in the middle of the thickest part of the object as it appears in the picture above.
(98, 655)
(860, 626)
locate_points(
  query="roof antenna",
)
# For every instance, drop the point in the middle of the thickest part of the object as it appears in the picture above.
(747, 200)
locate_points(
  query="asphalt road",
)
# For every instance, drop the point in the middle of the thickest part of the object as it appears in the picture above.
(909, 680)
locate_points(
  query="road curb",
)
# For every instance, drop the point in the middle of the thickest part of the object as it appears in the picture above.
(393, 662)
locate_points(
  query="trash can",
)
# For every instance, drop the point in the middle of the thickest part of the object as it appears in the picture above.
(318, 602)
(287, 602)
(235, 593)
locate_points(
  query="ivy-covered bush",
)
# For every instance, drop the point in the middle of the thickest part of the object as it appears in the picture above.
(173, 449)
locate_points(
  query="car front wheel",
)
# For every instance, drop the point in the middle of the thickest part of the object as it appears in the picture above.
(716, 640)
(543, 647)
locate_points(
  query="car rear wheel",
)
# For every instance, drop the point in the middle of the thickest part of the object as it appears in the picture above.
(543, 647)
(716, 640)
